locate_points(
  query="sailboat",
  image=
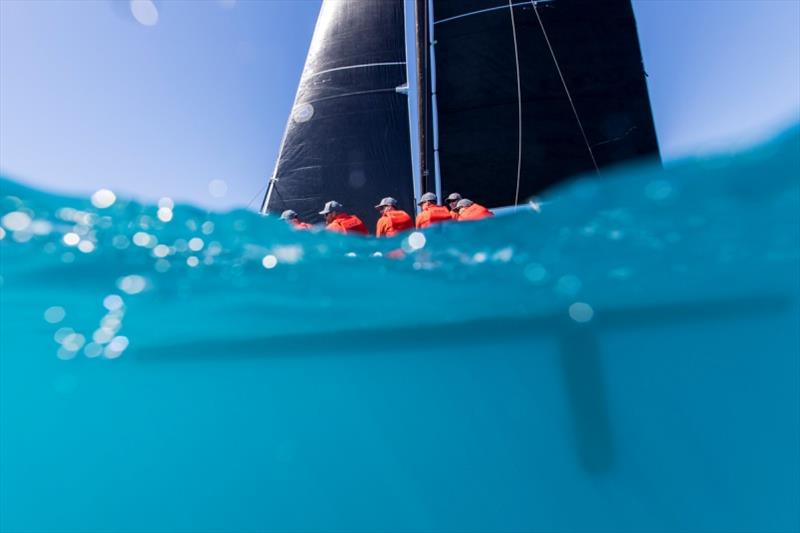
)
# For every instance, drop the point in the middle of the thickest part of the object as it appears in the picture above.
(512, 97)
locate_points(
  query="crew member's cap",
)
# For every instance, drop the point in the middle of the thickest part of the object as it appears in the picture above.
(330, 207)
(463, 203)
(427, 197)
(289, 214)
(454, 197)
(388, 201)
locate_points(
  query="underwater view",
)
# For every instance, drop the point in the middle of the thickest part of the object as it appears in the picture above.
(623, 355)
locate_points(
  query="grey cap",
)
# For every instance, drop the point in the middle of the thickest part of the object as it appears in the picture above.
(463, 203)
(289, 214)
(388, 201)
(331, 206)
(427, 197)
(454, 197)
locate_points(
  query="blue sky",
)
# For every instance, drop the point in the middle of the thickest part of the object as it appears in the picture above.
(90, 97)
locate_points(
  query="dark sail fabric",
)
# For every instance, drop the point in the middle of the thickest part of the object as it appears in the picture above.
(495, 76)
(348, 133)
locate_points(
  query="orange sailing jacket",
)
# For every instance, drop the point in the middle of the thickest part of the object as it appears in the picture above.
(393, 222)
(433, 215)
(344, 223)
(296, 224)
(474, 212)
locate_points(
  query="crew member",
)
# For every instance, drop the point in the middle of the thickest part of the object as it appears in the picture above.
(431, 212)
(469, 210)
(293, 220)
(451, 202)
(339, 221)
(393, 220)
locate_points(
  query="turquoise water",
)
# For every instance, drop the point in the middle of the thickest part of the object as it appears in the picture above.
(626, 359)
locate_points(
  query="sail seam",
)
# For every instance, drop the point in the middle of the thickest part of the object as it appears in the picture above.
(480, 11)
(350, 67)
(392, 90)
(566, 89)
(519, 103)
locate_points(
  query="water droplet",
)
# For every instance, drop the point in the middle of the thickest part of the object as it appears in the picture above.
(54, 314)
(535, 273)
(164, 214)
(269, 261)
(112, 302)
(581, 312)
(196, 244)
(103, 198)
(144, 11)
(16, 221)
(416, 241)
(133, 284)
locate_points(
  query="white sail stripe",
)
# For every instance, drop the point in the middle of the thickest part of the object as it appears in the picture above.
(374, 91)
(350, 67)
(487, 10)
(519, 102)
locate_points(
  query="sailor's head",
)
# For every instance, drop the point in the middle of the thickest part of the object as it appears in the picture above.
(427, 199)
(330, 210)
(461, 204)
(387, 204)
(289, 215)
(452, 200)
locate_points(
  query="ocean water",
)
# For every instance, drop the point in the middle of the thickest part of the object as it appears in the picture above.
(625, 358)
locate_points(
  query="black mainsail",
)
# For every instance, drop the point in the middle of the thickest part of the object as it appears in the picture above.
(348, 136)
(514, 96)
(529, 93)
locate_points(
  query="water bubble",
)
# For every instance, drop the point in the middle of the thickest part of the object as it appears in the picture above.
(16, 221)
(65, 354)
(658, 190)
(416, 240)
(217, 188)
(166, 203)
(145, 240)
(269, 261)
(103, 335)
(144, 11)
(535, 273)
(568, 285)
(103, 198)
(67, 257)
(22, 236)
(54, 314)
(207, 228)
(615, 235)
(2, 234)
(112, 302)
(162, 250)
(480, 257)
(164, 214)
(196, 244)
(93, 350)
(120, 242)
(192, 261)
(581, 312)
(133, 284)
(115, 347)
(41, 227)
(162, 265)
(350, 254)
(73, 342)
(288, 254)
(61, 334)
(86, 247)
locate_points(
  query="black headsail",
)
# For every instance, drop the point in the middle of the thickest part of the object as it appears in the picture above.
(532, 93)
(348, 133)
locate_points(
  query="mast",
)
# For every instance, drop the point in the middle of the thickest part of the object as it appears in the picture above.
(421, 34)
(434, 103)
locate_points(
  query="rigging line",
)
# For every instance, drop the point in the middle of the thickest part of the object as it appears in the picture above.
(566, 89)
(357, 93)
(256, 195)
(519, 103)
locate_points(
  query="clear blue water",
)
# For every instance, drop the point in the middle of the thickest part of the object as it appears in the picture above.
(627, 359)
